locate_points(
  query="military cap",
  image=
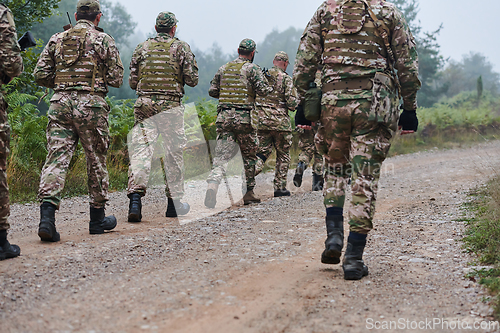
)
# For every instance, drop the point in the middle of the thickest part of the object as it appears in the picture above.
(88, 6)
(281, 56)
(166, 20)
(248, 45)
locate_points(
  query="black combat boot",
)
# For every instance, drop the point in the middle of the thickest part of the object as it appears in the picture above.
(211, 195)
(47, 227)
(299, 172)
(134, 208)
(7, 250)
(334, 241)
(317, 184)
(176, 207)
(99, 222)
(283, 192)
(353, 265)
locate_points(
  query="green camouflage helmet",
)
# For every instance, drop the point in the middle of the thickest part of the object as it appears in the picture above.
(166, 20)
(281, 56)
(88, 6)
(247, 45)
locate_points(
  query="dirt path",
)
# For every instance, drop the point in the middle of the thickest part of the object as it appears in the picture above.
(256, 268)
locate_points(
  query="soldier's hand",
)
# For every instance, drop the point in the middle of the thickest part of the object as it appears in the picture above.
(408, 121)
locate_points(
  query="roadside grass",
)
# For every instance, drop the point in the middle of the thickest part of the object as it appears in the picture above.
(482, 237)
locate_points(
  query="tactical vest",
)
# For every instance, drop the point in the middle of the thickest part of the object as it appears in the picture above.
(160, 72)
(354, 41)
(75, 67)
(232, 89)
(276, 99)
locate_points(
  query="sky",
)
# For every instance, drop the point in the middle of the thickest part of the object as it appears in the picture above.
(226, 22)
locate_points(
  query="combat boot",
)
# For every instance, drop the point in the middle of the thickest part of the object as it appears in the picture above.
(176, 207)
(250, 198)
(47, 227)
(334, 241)
(7, 250)
(99, 222)
(353, 265)
(211, 195)
(299, 172)
(317, 184)
(281, 193)
(135, 208)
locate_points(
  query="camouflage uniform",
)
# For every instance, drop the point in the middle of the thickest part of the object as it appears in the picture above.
(308, 150)
(160, 89)
(274, 126)
(235, 85)
(358, 119)
(11, 64)
(78, 64)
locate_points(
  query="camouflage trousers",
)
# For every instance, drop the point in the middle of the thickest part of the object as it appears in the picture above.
(308, 151)
(4, 152)
(158, 131)
(76, 116)
(232, 137)
(281, 141)
(353, 147)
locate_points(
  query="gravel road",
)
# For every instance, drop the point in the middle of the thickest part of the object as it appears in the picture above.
(257, 268)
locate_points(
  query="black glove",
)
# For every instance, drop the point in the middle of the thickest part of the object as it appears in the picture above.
(300, 119)
(408, 120)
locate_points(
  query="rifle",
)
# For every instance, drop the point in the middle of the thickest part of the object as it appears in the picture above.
(70, 25)
(26, 41)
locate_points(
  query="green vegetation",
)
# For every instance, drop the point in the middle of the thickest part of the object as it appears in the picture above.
(483, 237)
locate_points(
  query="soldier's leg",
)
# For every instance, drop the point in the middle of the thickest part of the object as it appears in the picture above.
(283, 143)
(333, 140)
(265, 149)
(307, 148)
(249, 145)
(92, 127)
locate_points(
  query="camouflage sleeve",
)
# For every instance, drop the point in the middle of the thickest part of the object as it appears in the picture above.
(258, 81)
(114, 66)
(45, 69)
(11, 61)
(214, 89)
(133, 79)
(405, 53)
(309, 53)
(291, 98)
(189, 65)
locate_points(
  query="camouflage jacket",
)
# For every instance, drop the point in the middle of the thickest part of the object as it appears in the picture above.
(182, 55)
(273, 108)
(344, 65)
(11, 62)
(97, 45)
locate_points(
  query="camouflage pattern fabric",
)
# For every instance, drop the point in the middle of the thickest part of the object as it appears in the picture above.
(168, 122)
(234, 125)
(181, 54)
(11, 65)
(76, 113)
(308, 152)
(356, 125)
(98, 46)
(76, 116)
(282, 142)
(166, 20)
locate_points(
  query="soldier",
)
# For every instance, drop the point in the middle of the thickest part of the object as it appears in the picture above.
(11, 66)
(274, 126)
(235, 85)
(159, 68)
(78, 64)
(361, 43)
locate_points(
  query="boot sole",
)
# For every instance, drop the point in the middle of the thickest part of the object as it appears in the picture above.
(251, 202)
(46, 236)
(331, 257)
(355, 275)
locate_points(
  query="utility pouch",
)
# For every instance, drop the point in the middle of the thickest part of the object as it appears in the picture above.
(312, 103)
(384, 101)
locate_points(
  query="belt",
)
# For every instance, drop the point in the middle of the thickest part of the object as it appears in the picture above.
(82, 92)
(363, 84)
(160, 97)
